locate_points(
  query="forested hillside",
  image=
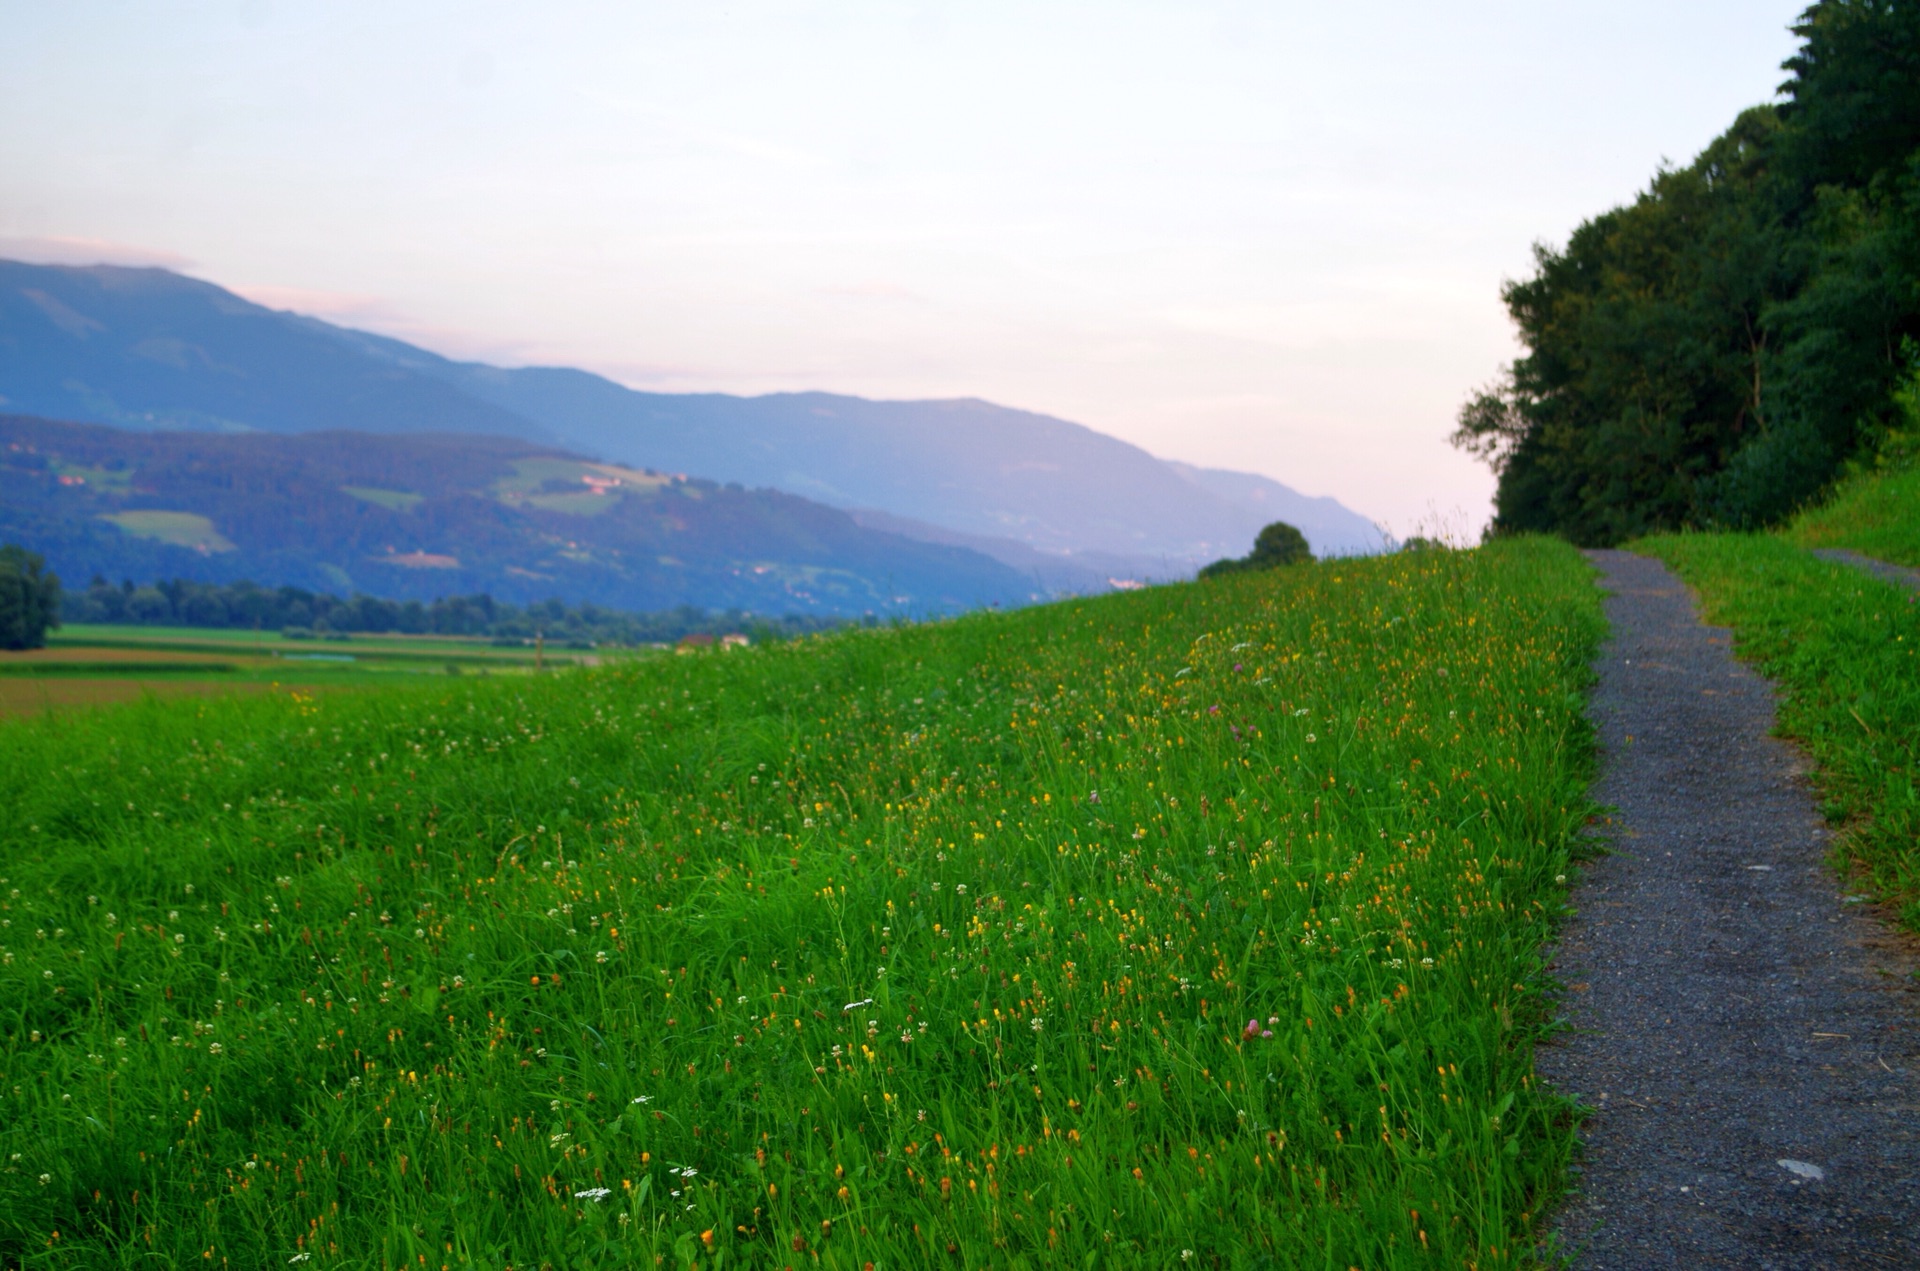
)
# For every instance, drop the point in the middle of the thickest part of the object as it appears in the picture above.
(1716, 351)
(427, 515)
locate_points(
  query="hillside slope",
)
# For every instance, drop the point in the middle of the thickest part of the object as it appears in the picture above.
(1875, 512)
(965, 465)
(430, 514)
(149, 349)
(918, 948)
(146, 348)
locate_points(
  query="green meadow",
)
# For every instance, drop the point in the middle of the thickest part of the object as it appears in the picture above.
(1194, 926)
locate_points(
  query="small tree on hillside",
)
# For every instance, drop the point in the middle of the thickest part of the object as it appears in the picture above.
(1276, 545)
(29, 599)
(1279, 544)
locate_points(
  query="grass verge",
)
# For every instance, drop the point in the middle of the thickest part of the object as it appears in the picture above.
(1871, 513)
(1193, 926)
(1844, 648)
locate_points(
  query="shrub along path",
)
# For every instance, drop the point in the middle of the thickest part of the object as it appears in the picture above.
(1744, 1035)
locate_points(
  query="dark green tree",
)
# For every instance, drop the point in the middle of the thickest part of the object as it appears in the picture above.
(1718, 350)
(29, 599)
(1276, 545)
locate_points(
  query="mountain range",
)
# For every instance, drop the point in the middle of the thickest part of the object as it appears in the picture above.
(1062, 506)
(420, 515)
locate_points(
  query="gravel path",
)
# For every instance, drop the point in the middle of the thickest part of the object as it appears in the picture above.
(1898, 575)
(1747, 1035)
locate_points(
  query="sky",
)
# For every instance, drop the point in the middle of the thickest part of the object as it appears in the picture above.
(1268, 237)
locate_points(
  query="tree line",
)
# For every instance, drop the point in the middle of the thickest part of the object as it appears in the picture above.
(33, 602)
(1718, 351)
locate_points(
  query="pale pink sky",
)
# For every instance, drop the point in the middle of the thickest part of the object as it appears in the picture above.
(1259, 236)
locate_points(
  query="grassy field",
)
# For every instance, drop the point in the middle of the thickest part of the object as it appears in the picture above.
(1197, 926)
(1845, 649)
(86, 666)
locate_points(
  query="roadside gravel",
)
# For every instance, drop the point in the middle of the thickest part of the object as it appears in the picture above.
(1749, 1038)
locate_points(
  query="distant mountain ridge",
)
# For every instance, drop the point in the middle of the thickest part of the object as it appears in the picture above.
(417, 516)
(146, 348)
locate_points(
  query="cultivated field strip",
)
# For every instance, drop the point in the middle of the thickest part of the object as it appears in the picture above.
(1193, 926)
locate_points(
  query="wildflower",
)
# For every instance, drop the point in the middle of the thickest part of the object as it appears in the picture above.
(1036, 1023)
(215, 1048)
(601, 957)
(595, 1194)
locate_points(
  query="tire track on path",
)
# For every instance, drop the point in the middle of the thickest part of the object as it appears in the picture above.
(1729, 1012)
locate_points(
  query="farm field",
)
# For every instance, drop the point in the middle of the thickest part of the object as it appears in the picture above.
(87, 665)
(1198, 925)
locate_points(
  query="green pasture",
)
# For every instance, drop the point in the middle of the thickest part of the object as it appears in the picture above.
(1194, 926)
(85, 666)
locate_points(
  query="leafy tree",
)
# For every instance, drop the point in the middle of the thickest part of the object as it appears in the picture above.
(1276, 545)
(1716, 351)
(29, 599)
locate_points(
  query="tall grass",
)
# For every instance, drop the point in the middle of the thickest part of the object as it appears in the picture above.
(1196, 926)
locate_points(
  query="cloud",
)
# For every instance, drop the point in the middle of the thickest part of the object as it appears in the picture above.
(62, 250)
